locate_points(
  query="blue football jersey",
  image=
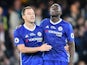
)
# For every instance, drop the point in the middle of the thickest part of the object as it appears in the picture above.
(57, 35)
(30, 38)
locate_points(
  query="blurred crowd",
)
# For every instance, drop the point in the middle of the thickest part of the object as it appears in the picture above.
(74, 11)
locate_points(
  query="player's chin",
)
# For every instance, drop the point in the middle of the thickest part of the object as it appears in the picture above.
(32, 21)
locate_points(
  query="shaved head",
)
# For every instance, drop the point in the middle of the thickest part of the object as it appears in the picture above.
(55, 10)
(57, 5)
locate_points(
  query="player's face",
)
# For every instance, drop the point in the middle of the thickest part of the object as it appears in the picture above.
(29, 15)
(55, 10)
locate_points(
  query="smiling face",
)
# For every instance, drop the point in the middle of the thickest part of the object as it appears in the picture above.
(29, 15)
(55, 10)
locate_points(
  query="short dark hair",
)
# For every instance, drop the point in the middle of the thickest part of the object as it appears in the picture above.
(23, 10)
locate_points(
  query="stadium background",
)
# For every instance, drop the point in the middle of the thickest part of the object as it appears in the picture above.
(74, 11)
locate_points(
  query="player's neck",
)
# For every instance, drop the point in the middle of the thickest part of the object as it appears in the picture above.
(55, 19)
(30, 25)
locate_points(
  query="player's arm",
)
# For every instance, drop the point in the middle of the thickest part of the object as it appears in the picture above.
(24, 49)
(71, 51)
(19, 43)
(71, 44)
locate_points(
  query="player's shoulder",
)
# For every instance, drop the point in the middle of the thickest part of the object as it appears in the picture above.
(19, 28)
(45, 20)
(38, 27)
(66, 23)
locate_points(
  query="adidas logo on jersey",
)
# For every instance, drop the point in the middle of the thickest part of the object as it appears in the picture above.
(26, 36)
(47, 26)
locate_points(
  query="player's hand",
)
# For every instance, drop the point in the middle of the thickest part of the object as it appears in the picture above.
(67, 48)
(45, 47)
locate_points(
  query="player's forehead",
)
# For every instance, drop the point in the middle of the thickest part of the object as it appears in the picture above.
(55, 6)
(29, 10)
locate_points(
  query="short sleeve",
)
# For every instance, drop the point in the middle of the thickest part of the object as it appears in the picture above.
(17, 38)
(44, 22)
(70, 33)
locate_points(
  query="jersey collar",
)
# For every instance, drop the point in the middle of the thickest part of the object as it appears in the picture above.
(56, 22)
(29, 28)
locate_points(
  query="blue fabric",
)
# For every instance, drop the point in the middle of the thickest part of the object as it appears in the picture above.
(34, 38)
(34, 60)
(57, 36)
(53, 62)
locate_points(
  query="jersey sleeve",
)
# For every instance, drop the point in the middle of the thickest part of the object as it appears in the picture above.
(17, 38)
(43, 23)
(70, 33)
